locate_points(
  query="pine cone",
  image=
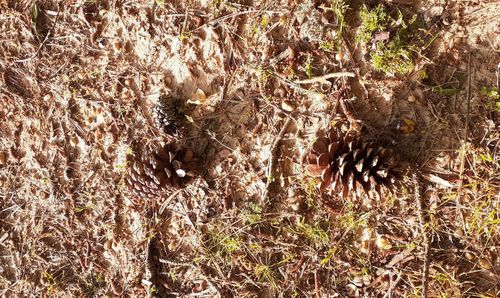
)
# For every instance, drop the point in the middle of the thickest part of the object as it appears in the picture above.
(351, 167)
(159, 170)
(169, 117)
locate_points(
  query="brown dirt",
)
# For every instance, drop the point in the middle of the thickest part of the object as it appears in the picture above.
(79, 81)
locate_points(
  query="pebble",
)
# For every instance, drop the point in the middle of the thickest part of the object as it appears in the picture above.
(339, 56)
(412, 98)
(357, 281)
(74, 141)
(288, 106)
(485, 264)
(383, 243)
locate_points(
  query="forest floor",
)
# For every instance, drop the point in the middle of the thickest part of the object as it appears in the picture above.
(257, 82)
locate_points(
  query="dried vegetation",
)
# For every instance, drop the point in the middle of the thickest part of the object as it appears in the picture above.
(162, 148)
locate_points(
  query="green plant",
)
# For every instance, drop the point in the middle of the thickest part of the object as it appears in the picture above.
(253, 215)
(327, 46)
(264, 273)
(308, 67)
(339, 8)
(392, 38)
(350, 220)
(393, 58)
(51, 281)
(314, 233)
(222, 244)
(492, 95)
(371, 21)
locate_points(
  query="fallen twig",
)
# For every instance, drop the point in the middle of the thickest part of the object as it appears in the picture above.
(298, 88)
(462, 153)
(273, 159)
(388, 294)
(317, 286)
(427, 244)
(324, 78)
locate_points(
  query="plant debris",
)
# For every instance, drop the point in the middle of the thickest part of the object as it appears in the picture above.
(156, 148)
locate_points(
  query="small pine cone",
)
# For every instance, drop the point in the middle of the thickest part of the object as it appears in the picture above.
(169, 118)
(159, 170)
(351, 167)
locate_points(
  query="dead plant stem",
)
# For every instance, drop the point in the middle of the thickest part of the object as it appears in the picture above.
(273, 159)
(463, 151)
(425, 235)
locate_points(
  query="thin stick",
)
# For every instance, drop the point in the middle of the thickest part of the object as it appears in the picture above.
(298, 88)
(388, 294)
(421, 218)
(462, 153)
(273, 159)
(324, 78)
(317, 286)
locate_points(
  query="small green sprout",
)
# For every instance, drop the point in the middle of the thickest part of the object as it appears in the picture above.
(492, 98)
(314, 233)
(309, 66)
(371, 21)
(253, 215)
(327, 46)
(223, 245)
(392, 59)
(391, 38)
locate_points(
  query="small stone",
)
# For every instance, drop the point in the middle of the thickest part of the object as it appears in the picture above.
(358, 281)
(412, 98)
(383, 243)
(288, 106)
(74, 141)
(485, 264)
(339, 56)
(469, 256)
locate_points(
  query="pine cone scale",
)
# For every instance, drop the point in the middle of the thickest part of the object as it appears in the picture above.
(159, 170)
(350, 166)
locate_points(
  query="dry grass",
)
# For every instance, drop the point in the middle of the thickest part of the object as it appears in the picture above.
(259, 79)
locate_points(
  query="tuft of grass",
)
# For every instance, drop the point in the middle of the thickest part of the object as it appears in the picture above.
(264, 273)
(339, 8)
(393, 58)
(223, 245)
(371, 21)
(392, 39)
(314, 233)
(492, 96)
(351, 221)
(253, 215)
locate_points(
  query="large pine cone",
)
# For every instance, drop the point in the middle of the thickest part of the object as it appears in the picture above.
(159, 170)
(349, 166)
(169, 117)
